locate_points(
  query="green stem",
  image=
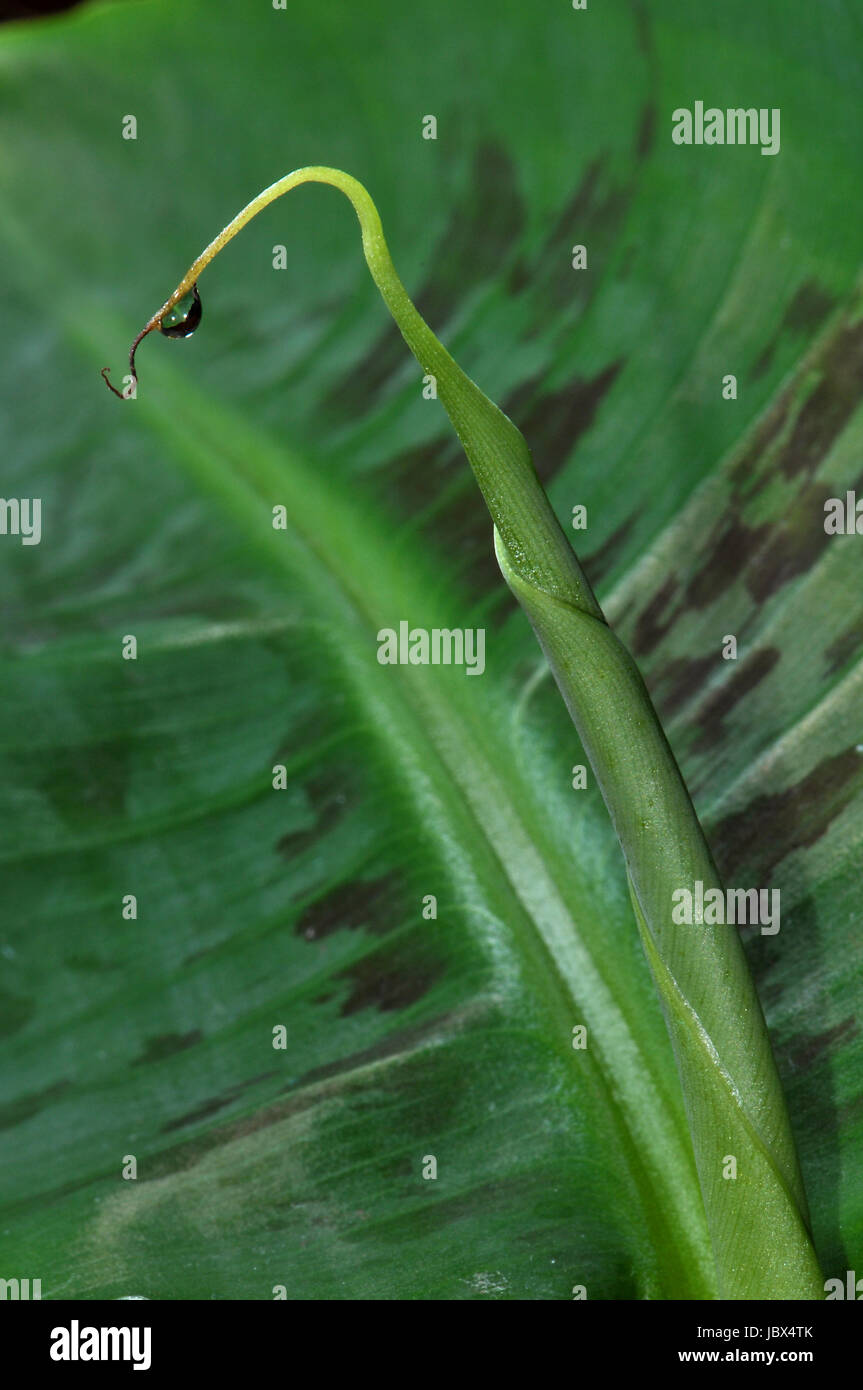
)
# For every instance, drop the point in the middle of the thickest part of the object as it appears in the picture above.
(758, 1219)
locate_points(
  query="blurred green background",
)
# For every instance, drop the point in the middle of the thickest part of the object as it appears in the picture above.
(407, 1037)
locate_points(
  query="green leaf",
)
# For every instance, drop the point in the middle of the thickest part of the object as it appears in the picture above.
(303, 907)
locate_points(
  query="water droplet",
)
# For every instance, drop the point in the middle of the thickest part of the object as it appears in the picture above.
(183, 319)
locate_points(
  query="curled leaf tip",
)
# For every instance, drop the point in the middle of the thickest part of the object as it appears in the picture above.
(129, 391)
(105, 373)
(178, 317)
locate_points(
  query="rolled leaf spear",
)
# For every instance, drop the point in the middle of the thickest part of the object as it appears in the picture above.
(758, 1221)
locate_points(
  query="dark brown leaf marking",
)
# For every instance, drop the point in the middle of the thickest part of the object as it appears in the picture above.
(328, 798)
(830, 406)
(773, 553)
(804, 315)
(600, 561)
(808, 309)
(15, 1111)
(591, 218)
(296, 842)
(164, 1045)
(348, 907)
(744, 476)
(643, 30)
(552, 423)
(760, 836)
(650, 629)
(822, 418)
(732, 543)
(393, 980)
(186, 1153)
(844, 647)
(804, 1050)
(749, 674)
(793, 545)
(763, 363)
(729, 548)
(681, 679)
(539, 274)
(216, 1103)
(402, 1041)
(646, 132)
